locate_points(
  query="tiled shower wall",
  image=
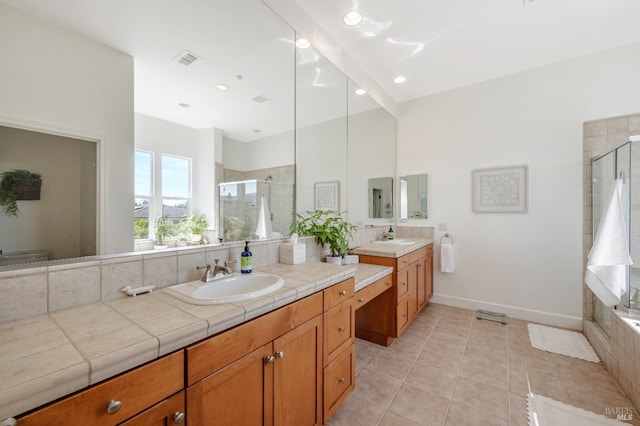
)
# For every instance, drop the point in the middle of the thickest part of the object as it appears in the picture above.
(621, 351)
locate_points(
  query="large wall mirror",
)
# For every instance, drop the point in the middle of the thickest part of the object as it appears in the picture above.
(414, 200)
(371, 159)
(258, 120)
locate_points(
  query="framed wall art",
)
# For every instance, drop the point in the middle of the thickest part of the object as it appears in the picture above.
(327, 195)
(500, 190)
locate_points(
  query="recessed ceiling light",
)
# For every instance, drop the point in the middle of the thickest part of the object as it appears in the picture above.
(222, 87)
(400, 79)
(360, 91)
(303, 43)
(256, 130)
(184, 105)
(352, 18)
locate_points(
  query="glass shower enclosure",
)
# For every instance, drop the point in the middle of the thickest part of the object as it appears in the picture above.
(240, 204)
(622, 162)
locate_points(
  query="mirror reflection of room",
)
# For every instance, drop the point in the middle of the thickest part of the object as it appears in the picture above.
(381, 198)
(414, 197)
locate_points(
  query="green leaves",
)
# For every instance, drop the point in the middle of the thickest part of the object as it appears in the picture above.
(327, 227)
(9, 189)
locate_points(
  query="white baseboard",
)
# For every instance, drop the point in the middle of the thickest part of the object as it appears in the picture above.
(548, 318)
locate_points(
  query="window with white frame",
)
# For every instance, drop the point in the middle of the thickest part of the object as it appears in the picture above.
(176, 187)
(143, 193)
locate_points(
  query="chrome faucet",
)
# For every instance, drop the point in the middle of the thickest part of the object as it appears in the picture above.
(210, 275)
(224, 269)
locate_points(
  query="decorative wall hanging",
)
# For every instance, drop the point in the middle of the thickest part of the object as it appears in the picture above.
(500, 190)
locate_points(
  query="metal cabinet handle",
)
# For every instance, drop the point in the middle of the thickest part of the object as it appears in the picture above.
(341, 380)
(343, 293)
(341, 329)
(280, 354)
(271, 359)
(178, 417)
(113, 406)
(10, 421)
(360, 300)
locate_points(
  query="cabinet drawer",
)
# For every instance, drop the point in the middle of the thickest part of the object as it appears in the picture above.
(339, 381)
(168, 412)
(403, 262)
(339, 293)
(136, 390)
(402, 283)
(339, 331)
(418, 254)
(371, 291)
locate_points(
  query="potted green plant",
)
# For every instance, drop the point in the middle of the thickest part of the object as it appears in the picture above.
(329, 229)
(194, 226)
(18, 185)
(164, 230)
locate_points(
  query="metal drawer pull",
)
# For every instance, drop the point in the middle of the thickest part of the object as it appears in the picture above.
(360, 300)
(113, 406)
(280, 354)
(343, 293)
(341, 380)
(341, 329)
(178, 417)
(271, 359)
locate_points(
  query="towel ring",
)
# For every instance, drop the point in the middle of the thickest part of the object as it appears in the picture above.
(446, 236)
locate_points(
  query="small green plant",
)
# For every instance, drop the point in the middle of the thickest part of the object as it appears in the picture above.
(327, 227)
(164, 229)
(9, 189)
(195, 224)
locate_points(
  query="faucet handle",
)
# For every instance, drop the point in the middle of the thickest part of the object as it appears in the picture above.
(207, 266)
(229, 262)
(216, 261)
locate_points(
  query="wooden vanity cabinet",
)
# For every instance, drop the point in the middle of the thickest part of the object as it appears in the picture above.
(133, 392)
(412, 289)
(266, 371)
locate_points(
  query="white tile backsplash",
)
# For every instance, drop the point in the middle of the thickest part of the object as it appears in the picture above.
(73, 287)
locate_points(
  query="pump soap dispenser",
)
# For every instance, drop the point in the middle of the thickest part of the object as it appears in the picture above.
(390, 233)
(246, 259)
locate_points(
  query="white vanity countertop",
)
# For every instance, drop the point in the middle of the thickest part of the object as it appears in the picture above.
(383, 249)
(49, 356)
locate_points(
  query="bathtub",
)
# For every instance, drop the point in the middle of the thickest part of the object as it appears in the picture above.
(23, 256)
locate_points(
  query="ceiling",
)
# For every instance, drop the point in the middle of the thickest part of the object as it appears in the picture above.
(438, 45)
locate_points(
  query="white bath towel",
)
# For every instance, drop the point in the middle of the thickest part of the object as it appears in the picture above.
(446, 257)
(606, 272)
(264, 229)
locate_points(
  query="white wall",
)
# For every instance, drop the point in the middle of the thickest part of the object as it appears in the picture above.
(528, 265)
(265, 153)
(56, 81)
(164, 137)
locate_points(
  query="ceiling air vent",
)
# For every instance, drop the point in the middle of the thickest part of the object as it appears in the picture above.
(261, 98)
(186, 58)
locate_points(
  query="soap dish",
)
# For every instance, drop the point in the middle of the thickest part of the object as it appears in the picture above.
(138, 290)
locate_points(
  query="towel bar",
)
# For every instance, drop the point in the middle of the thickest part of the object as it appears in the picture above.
(446, 236)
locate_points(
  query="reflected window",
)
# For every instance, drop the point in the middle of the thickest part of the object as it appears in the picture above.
(143, 193)
(176, 187)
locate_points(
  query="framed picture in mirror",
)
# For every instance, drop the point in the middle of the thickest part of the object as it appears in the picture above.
(327, 195)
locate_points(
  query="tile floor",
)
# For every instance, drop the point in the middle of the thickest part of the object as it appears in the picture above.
(449, 368)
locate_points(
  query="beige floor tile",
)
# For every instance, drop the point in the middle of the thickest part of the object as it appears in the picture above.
(357, 411)
(392, 419)
(462, 414)
(376, 387)
(419, 405)
(431, 379)
(486, 371)
(443, 360)
(519, 411)
(390, 364)
(483, 395)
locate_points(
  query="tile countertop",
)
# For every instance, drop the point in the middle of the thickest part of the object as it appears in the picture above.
(49, 356)
(383, 249)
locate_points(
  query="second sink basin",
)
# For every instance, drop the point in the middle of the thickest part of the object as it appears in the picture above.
(231, 288)
(397, 241)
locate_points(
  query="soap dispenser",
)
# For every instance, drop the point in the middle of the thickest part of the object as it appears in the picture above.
(390, 233)
(246, 259)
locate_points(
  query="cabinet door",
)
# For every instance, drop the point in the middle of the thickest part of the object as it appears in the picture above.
(422, 283)
(239, 394)
(428, 271)
(412, 285)
(166, 413)
(297, 380)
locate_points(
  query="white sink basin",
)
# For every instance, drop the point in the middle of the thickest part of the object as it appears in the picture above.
(396, 241)
(227, 289)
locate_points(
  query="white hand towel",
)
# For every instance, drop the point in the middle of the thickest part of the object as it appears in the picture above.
(446, 258)
(264, 229)
(606, 273)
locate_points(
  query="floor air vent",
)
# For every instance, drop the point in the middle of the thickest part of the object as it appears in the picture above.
(491, 316)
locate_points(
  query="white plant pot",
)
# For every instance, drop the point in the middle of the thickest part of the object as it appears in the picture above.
(351, 259)
(334, 260)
